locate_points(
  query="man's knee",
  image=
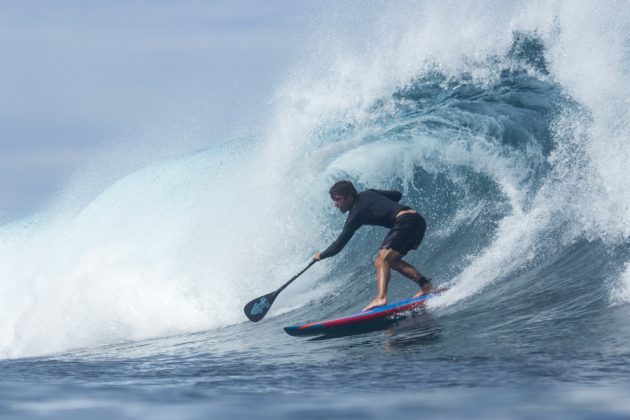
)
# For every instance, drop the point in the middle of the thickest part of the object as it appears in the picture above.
(386, 256)
(381, 258)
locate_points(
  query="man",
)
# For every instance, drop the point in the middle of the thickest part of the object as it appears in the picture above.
(381, 208)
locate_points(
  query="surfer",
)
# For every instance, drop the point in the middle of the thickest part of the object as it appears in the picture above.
(380, 208)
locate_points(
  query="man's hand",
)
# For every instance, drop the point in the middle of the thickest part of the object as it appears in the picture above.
(317, 257)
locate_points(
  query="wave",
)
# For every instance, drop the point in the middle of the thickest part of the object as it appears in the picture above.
(508, 134)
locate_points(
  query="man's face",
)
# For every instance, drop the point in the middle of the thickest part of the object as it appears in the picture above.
(342, 202)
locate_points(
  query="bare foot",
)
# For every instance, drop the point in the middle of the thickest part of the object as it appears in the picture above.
(375, 304)
(426, 288)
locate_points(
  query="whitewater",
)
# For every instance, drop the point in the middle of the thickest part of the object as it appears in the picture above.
(505, 125)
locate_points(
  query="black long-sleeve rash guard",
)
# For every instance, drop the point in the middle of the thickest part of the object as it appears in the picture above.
(371, 207)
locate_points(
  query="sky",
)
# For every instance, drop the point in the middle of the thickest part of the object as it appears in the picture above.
(89, 86)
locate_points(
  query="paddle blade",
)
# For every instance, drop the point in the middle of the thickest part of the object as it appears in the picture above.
(257, 308)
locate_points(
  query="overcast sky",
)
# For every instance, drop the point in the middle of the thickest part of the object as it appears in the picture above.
(83, 81)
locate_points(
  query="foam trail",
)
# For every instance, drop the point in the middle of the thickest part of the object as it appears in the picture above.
(163, 251)
(108, 274)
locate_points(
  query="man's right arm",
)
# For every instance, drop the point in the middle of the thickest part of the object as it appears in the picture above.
(345, 235)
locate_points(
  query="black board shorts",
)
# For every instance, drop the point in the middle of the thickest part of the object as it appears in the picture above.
(406, 234)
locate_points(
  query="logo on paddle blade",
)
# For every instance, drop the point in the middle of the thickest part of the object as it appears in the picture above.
(261, 306)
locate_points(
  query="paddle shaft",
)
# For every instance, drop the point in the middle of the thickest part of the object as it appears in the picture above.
(295, 277)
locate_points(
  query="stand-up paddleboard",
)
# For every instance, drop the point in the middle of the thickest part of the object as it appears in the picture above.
(364, 321)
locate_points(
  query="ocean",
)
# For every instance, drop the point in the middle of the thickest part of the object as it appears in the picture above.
(505, 125)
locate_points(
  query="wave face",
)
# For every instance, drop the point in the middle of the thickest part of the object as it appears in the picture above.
(506, 126)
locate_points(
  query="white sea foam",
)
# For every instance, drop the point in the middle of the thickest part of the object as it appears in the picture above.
(173, 248)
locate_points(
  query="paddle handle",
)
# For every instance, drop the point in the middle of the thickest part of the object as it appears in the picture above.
(295, 277)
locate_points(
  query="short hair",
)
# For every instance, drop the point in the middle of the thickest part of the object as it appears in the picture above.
(344, 188)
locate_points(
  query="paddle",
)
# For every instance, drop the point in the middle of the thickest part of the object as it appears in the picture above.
(257, 308)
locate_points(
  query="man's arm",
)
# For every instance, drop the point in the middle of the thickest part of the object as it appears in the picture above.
(346, 234)
(391, 194)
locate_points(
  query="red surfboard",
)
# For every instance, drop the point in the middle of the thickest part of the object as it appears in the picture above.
(364, 321)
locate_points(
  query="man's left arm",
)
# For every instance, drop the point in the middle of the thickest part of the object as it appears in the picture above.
(391, 194)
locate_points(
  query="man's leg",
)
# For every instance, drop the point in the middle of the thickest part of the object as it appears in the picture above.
(384, 260)
(410, 272)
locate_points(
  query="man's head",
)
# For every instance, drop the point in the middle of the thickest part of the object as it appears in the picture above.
(343, 194)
